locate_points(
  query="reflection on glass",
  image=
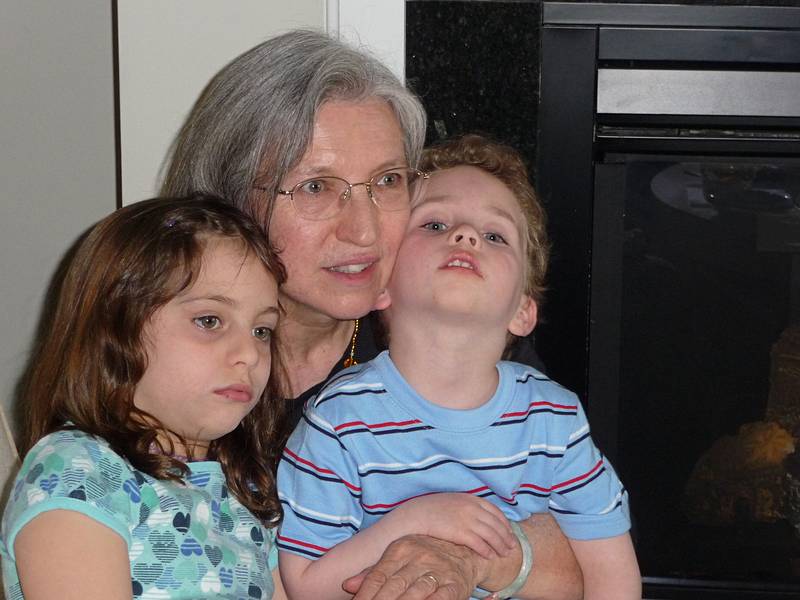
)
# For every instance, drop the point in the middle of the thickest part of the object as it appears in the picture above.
(710, 367)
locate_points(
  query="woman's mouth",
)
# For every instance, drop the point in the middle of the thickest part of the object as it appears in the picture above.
(351, 269)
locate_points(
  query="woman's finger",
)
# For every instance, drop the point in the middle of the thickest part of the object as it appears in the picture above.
(411, 565)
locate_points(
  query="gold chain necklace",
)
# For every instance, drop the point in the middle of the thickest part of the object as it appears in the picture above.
(351, 360)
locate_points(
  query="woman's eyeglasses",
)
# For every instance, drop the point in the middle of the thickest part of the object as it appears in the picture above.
(321, 198)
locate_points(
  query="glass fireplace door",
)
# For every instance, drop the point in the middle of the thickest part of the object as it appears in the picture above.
(694, 382)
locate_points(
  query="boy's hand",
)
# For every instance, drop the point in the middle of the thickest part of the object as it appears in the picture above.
(460, 518)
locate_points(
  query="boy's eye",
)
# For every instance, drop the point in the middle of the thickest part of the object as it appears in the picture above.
(262, 333)
(495, 237)
(434, 226)
(207, 322)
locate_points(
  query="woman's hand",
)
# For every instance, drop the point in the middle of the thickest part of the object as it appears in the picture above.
(417, 567)
(405, 569)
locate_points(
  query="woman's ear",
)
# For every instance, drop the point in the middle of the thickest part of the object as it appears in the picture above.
(525, 318)
(383, 301)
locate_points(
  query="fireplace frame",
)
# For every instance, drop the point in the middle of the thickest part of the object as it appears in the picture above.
(581, 42)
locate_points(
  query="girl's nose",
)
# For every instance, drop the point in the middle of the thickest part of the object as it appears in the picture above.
(246, 349)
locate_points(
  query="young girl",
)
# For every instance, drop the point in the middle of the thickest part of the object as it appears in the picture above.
(152, 433)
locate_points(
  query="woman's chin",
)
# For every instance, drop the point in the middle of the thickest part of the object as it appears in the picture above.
(341, 307)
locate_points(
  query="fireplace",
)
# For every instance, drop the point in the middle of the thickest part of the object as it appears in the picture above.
(669, 161)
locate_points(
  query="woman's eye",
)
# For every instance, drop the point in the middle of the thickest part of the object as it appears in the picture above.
(434, 226)
(495, 237)
(262, 333)
(313, 187)
(390, 179)
(208, 322)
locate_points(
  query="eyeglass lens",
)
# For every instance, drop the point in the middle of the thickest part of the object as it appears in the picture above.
(324, 197)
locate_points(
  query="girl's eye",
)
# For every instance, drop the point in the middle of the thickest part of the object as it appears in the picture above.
(207, 322)
(495, 237)
(434, 226)
(262, 333)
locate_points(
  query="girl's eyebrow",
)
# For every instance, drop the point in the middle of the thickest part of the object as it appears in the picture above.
(213, 297)
(228, 301)
(270, 310)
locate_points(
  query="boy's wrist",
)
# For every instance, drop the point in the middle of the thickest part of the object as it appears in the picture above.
(506, 575)
(499, 572)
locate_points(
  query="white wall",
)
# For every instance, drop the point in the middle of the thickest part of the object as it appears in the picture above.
(57, 146)
(56, 152)
(168, 51)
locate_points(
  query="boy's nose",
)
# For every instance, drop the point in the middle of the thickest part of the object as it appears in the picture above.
(470, 238)
(465, 233)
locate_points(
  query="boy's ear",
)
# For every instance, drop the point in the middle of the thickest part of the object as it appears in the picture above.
(525, 318)
(383, 301)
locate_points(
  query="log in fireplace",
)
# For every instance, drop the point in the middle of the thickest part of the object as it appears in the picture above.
(669, 160)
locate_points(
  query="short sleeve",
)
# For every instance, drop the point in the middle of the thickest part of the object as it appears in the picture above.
(71, 470)
(318, 485)
(588, 499)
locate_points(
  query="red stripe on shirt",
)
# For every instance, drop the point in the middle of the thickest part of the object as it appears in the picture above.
(304, 544)
(355, 488)
(541, 403)
(579, 477)
(378, 425)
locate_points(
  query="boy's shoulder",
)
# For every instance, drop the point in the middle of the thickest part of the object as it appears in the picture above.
(358, 380)
(535, 382)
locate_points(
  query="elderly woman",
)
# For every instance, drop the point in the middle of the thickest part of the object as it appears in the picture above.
(314, 139)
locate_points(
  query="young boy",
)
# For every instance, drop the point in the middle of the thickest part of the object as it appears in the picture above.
(440, 411)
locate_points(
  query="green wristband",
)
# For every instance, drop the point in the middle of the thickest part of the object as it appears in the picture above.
(524, 570)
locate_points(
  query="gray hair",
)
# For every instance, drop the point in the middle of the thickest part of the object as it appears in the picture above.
(254, 121)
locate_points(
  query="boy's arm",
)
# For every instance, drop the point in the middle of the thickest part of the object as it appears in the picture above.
(322, 579)
(402, 569)
(610, 570)
(278, 592)
(459, 518)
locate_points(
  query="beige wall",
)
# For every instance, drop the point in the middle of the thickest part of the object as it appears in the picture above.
(56, 152)
(167, 53)
(57, 146)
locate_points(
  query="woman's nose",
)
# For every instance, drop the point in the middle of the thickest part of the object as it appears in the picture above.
(358, 221)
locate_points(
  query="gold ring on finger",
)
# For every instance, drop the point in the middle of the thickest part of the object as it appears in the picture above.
(432, 578)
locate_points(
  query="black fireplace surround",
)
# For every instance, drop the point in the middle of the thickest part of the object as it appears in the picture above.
(669, 162)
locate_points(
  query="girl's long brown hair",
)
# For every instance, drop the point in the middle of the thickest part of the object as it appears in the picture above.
(85, 369)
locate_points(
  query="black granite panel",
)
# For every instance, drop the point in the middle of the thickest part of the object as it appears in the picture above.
(475, 65)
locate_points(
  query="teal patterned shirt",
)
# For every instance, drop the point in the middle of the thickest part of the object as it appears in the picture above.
(184, 541)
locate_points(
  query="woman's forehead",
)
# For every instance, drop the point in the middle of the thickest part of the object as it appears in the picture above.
(353, 138)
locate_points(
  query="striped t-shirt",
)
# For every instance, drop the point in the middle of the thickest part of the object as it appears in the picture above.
(368, 442)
